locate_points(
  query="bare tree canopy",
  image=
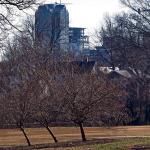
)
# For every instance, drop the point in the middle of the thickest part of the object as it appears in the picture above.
(20, 4)
(142, 7)
(9, 9)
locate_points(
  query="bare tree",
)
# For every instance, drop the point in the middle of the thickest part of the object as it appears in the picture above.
(47, 106)
(20, 94)
(4, 87)
(141, 7)
(85, 95)
(8, 11)
(20, 83)
(45, 114)
(20, 107)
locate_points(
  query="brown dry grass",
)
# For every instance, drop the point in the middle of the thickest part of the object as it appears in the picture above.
(10, 137)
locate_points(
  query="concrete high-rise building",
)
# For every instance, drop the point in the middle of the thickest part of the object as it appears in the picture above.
(52, 26)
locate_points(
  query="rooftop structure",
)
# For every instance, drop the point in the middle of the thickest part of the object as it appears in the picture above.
(77, 39)
(99, 54)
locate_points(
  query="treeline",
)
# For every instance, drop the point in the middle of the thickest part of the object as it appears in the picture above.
(45, 86)
(42, 86)
(127, 38)
(40, 89)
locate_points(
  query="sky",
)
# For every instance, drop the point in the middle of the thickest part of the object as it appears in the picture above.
(90, 13)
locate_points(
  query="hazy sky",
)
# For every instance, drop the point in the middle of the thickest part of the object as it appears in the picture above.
(89, 13)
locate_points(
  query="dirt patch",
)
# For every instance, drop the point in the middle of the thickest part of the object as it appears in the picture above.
(13, 137)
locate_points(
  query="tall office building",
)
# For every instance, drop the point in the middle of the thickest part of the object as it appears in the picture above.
(52, 26)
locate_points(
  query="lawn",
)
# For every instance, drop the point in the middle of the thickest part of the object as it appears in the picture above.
(125, 144)
(11, 137)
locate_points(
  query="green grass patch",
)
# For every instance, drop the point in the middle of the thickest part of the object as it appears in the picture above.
(122, 144)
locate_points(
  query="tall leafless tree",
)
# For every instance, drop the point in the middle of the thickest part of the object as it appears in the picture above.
(47, 106)
(85, 95)
(20, 94)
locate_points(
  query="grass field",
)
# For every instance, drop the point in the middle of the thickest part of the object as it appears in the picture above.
(125, 144)
(10, 137)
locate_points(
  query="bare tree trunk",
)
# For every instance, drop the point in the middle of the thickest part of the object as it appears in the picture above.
(82, 132)
(51, 133)
(25, 135)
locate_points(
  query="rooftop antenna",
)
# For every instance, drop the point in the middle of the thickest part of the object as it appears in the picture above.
(64, 3)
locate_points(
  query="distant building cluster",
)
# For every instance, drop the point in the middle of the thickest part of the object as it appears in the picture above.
(52, 30)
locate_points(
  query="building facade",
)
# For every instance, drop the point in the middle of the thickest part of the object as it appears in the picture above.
(78, 41)
(52, 26)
